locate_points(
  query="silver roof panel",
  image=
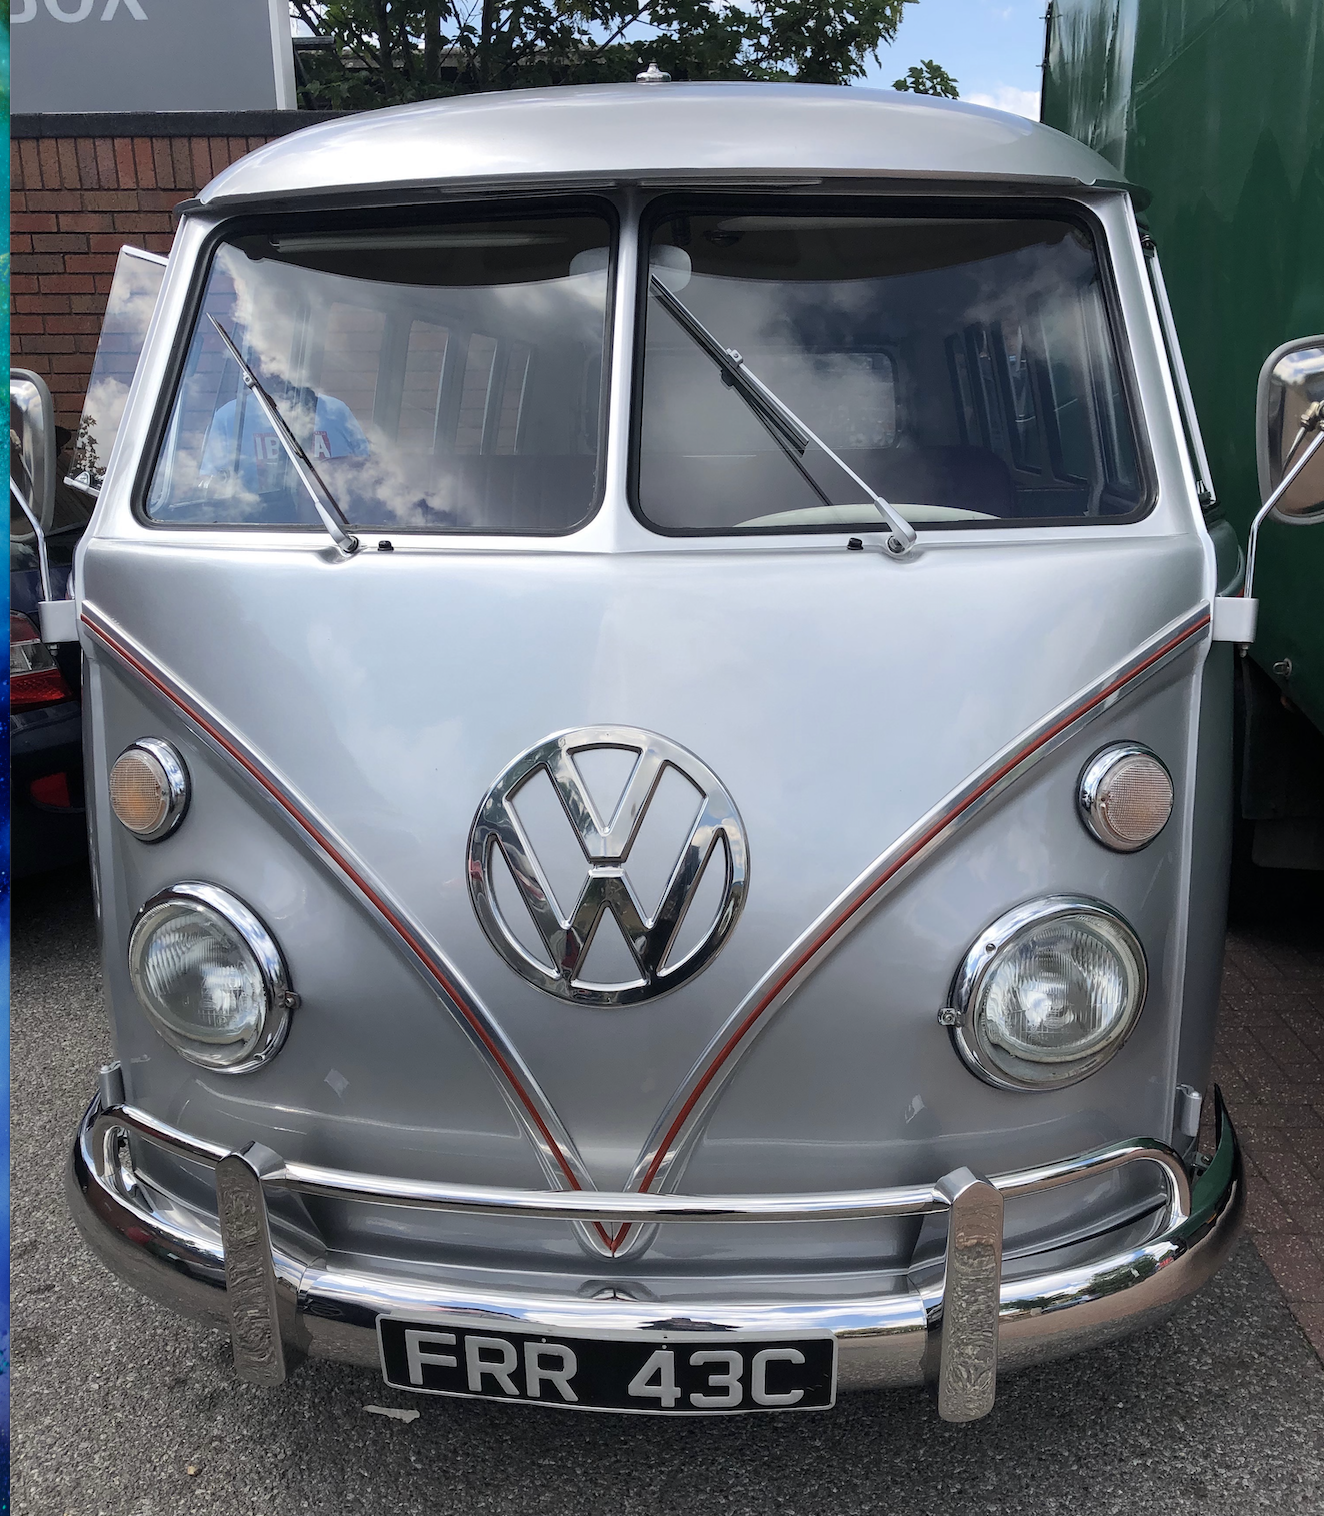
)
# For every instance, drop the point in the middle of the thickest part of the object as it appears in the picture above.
(685, 131)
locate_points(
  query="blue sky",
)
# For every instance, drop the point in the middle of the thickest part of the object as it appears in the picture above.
(993, 48)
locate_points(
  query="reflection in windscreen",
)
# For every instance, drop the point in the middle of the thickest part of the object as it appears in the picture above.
(963, 367)
(442, 378)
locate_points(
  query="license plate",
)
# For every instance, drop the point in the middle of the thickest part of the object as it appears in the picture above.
(656, 1373)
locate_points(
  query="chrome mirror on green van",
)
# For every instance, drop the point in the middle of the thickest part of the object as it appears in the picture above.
(1289, 429)
(1288, 418)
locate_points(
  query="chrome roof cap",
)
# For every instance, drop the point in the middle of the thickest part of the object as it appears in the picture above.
(593, 134)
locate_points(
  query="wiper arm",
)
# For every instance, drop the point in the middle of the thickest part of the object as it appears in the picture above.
(786, 428)
(327, 507)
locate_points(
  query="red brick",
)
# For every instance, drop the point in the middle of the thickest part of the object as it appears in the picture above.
(67, 153)
(107, 174)
(201, 155)
(48, 155)
(144, 166)
(30, 178)
(94, 303)
(99, 202)
(15, 163)
(68, 323)
(39, 263)
(81, 363)
(66, 284)
(24, 325)
(84, 221)
(29, 221)
(54, 200)
(162, 163)
(162, 200)
(39, 363)
(159, 242)
(101, 283)
(238, 147)
(30, 302)
(20, 242)
(182, 163)
(59, 242)
(1296, 1266)
(89, 263)
(85, 154)
(139, 221)
(46, 343)
(126, 170)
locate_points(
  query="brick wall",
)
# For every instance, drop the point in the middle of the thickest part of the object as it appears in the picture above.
(81, 188)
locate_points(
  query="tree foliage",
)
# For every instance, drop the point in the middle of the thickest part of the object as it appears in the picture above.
(386, 51)
(928, 79)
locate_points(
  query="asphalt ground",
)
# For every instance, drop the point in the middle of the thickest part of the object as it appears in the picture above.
(121, 1409)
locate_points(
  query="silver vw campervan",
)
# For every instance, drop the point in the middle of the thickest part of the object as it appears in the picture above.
(658, 719)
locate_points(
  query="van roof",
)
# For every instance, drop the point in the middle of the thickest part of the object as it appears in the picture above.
(708, 133)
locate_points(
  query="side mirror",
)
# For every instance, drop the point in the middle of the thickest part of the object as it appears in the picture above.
(32, 492)
(32, 445)
(1289, 425)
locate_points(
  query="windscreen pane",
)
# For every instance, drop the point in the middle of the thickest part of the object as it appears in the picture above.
(964, 367)
(129, 309)
(445, 377)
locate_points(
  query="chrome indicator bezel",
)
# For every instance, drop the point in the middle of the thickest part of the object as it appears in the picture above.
(965, 1026)
(178, 786)
(280, 998)
(1091, 781)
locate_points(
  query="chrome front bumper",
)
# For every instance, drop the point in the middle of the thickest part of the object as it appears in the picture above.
(953, 1326)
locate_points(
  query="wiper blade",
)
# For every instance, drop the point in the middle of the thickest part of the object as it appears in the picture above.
(786, 428)
(327, 507)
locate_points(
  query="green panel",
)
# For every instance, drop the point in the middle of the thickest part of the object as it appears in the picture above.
(1217, 107)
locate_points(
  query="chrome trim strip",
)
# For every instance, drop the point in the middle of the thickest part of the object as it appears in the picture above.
(678, 1129)
(633, 1206)
(556, 1151)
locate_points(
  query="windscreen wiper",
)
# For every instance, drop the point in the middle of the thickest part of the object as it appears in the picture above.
(779, 420)
(328, 508)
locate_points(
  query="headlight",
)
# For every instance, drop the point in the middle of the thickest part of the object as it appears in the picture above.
(1125, 797)
(149, 789)
(1047, 994)
(210, 977)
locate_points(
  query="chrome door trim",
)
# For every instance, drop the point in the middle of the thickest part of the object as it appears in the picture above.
(678, 1129)
(551, 1141)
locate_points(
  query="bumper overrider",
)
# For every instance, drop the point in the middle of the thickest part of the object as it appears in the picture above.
(952, 1326)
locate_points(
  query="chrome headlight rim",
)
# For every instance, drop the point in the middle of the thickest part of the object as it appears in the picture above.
(280, 997)
(177, 791)
(1091, 781)
(972, 1047)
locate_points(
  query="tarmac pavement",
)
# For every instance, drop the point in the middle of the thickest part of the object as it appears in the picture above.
(121, 1409)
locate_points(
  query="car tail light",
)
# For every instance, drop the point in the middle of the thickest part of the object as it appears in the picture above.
(53, 790)
(34, 676)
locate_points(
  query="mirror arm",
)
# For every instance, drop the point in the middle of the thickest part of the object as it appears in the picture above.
(1248, 589)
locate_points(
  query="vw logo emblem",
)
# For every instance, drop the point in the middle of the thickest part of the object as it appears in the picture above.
(605, 841)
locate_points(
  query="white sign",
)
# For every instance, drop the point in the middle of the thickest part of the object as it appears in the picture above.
(151, 55)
